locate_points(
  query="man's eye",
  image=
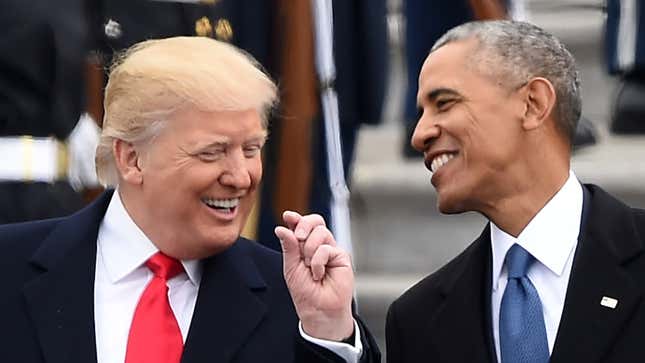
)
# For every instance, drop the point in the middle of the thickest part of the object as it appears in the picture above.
(444, 105)
(210, 155)
(251, 151)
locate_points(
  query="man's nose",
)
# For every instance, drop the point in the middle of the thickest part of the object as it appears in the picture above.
(424, 133)
(236, 173)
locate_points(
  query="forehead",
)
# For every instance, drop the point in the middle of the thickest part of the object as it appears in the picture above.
(448, 66)
(206, 124)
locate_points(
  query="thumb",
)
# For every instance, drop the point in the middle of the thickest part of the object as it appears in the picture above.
(290, 247)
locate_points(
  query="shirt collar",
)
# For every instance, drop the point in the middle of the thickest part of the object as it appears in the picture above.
(550, 236)
(124, 247)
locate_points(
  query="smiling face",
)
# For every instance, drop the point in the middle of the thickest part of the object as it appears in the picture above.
(198, 179)
(469, 129)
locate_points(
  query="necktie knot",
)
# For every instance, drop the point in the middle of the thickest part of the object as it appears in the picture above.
(518, 261)
(163, 266)
(154, 333)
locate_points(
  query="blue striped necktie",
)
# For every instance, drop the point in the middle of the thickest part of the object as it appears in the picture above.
(522, 333)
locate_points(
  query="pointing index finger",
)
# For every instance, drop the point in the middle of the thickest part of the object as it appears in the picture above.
(307, 224)
(291, 219)
(290, 246)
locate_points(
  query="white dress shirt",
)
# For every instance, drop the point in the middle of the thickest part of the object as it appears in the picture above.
(121, 277)
(551, 237)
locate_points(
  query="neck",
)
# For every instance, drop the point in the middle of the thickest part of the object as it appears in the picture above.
(133, 206)
(513, 212)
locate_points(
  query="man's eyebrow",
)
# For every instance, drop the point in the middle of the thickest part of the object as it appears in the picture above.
(432, 95)
(435, 93)
(213, 144)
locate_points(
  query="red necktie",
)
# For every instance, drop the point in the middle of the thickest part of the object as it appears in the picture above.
(154, 335)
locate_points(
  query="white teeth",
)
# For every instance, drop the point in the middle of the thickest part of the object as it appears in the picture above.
(439, 161)
(222, 203)
(433, 166)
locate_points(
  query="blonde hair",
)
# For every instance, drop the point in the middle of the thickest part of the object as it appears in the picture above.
(155, 78)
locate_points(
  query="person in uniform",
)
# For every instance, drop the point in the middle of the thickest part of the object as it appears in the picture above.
(625, 55)
(42, 55)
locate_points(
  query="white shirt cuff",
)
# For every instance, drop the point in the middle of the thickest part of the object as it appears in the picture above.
(350, 353)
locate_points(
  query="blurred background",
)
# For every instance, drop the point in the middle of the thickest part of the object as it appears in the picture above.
(54, 58)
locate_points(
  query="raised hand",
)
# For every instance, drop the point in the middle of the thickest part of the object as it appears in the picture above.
(319, 276)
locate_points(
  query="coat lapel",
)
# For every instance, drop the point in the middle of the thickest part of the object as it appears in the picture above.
(607, 246)
(228, 307)
(463, 321)
(60, 301)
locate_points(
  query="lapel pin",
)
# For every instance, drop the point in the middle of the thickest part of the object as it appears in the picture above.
(609, 302)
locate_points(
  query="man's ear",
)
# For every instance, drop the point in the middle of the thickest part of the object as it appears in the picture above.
(128, 161)
(539, 101)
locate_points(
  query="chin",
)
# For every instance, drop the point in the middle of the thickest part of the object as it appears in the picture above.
(449, 210)
(224, 240)
(216, 241)
(448, 206)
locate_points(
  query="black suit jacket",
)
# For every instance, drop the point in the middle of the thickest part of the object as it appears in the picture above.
(243, 312)
(42, 54)
(447, 316)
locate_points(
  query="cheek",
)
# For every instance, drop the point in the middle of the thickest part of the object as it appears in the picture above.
(489, 138)
(255, 171)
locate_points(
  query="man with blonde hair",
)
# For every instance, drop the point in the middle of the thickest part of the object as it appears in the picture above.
(156, 271)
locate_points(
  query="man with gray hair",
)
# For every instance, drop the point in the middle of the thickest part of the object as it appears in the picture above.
(558, 273)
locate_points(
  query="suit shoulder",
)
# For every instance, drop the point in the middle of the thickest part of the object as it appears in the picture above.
(639, 218)
(257, 250)
(431, 288)
(607, 202)
(639, 214)
(23, 239)
(267, 260)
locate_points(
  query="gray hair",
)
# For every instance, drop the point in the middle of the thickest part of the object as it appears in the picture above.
(515, 52)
